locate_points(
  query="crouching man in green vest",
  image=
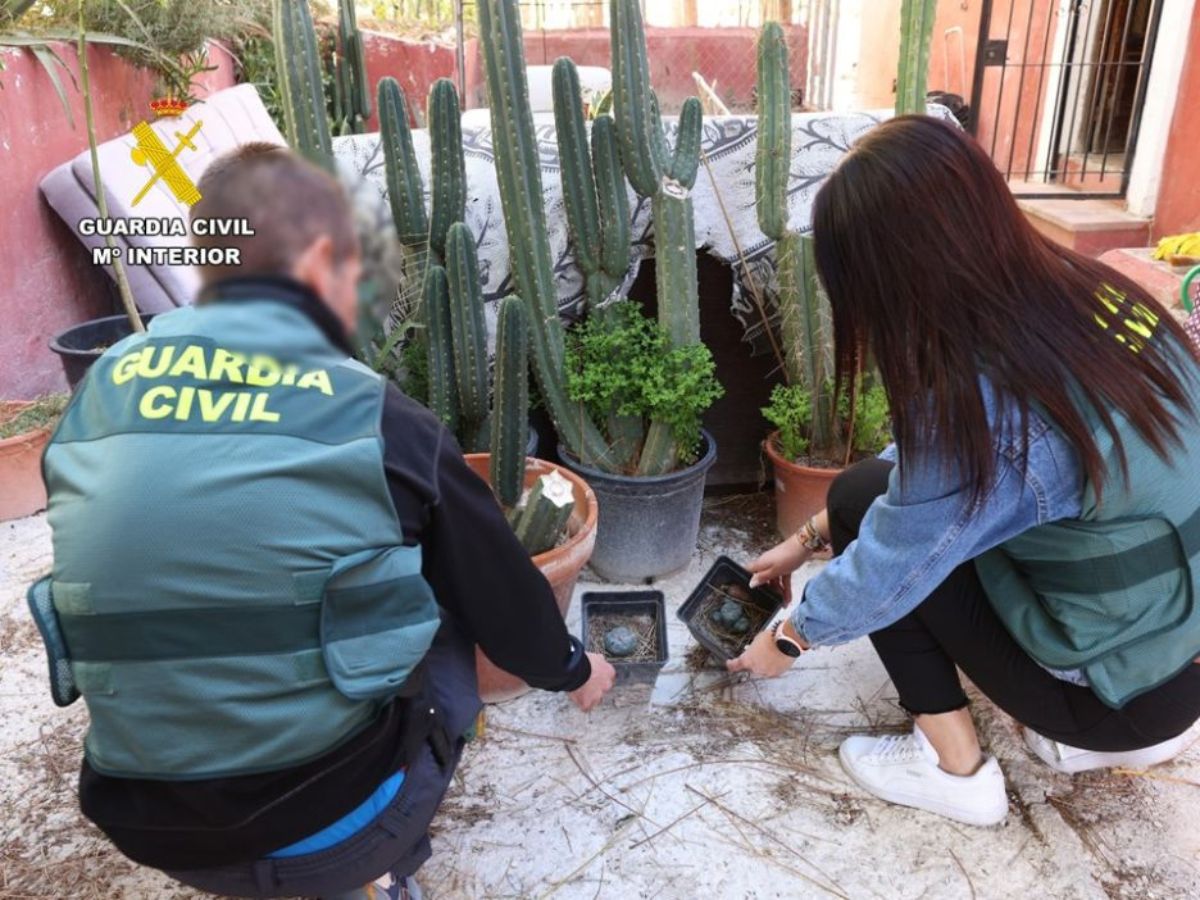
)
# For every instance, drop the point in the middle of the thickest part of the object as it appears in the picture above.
(270, 571)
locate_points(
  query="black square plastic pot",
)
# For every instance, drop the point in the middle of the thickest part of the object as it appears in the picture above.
(630, 603)
(760, 604)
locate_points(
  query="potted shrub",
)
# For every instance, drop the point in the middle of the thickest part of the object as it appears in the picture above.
(25, 428)
(644, 479)
(804, 469)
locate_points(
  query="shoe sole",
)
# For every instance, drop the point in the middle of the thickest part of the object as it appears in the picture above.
(901, 799)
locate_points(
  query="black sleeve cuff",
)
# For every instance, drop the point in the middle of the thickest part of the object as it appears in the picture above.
(577, 669)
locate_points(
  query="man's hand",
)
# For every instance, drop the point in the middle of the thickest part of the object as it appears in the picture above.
(762, 657)
(594, 689)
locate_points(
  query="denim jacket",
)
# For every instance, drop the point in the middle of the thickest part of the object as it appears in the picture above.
(913, 537)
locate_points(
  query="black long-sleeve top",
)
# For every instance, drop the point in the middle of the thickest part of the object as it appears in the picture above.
(481, 576)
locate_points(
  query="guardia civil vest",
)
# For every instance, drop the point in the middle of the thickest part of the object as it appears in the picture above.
(230, 591)
(1113, 593)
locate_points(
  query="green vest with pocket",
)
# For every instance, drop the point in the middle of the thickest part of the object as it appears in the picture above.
(230, 592)
(1112, 593)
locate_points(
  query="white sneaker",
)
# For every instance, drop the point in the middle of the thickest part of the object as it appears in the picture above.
(903, 769)
(1072, 760)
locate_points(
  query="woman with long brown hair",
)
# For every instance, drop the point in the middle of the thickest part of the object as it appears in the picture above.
(1039, 528)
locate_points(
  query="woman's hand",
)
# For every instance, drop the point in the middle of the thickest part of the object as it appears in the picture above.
(762, 657)
(775, 567)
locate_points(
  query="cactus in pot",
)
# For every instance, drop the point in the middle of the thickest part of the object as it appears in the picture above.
(666, 176)
(518, 173)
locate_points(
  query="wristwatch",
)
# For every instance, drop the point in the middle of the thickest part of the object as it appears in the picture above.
(786, 645)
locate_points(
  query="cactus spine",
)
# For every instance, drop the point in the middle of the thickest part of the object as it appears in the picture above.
(510, 414)
(352, 96)
(916, 33)
(519, 176)
(298, 70)
(804, 314)
(448, 180)
(667, 177)
(593, 188)
(468, 336)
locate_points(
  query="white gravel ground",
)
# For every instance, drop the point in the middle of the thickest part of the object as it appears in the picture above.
(708, 786)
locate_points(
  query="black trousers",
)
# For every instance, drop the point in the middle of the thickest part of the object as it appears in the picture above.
(956, 628)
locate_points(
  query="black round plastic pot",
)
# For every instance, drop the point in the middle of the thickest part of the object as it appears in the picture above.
(81, 345)
(648, 526)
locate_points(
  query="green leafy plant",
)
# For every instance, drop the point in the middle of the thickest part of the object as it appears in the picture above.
(623, 367)
(791, 412)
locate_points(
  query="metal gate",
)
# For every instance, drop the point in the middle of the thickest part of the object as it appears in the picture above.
(1059, 89)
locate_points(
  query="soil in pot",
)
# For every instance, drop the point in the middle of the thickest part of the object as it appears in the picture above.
(561, 565)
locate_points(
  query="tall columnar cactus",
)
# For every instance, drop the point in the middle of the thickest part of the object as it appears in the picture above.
(448, 180)
(804, 314)
(406, 192)
(298, 70)
(773, 162)
(352, 93)
(443, 400)
(666, 176)
(518, 173)
(593, 188)
(468, 337)
(916, 34)
(510, 412)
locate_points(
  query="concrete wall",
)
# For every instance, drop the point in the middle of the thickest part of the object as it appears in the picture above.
(1178, 207)
(47, 282)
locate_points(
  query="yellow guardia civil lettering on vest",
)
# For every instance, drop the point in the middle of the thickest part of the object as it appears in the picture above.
(216, 365)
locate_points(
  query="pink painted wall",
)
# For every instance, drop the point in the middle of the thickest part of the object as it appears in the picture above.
(725, 55)
(415, 64)
(1179, 197)
(47, 282)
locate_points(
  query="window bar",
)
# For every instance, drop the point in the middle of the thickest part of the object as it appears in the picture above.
(1139, 98)
(985, 23)
(1120, 76)
(1050, 10)
(1012, 146)
(1078, 72)
(1012, 8)
(1099, 91)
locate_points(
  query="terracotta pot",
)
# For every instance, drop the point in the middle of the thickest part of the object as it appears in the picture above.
(561, 566)
(22, 491)
(800, 491)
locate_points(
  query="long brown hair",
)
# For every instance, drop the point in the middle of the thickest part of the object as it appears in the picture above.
(932, 270)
